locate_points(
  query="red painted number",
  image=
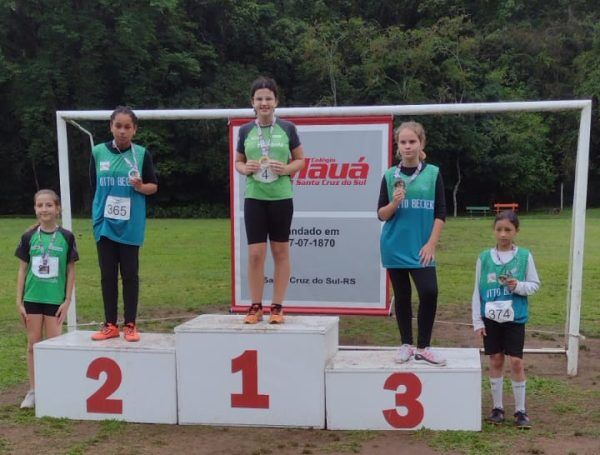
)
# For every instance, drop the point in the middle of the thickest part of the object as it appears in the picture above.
(249, 398)
(99, 401)
(407, 400)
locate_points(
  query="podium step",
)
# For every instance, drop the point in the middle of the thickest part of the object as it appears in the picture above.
(79, 378)
(367, 390)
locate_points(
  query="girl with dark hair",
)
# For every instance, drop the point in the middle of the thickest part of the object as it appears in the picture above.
(268, 152)
(122, 175)
(504, 276)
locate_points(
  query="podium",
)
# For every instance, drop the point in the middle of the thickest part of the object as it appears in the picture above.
(216, 370)
(78, 378)
(231, 373)
(366, 390)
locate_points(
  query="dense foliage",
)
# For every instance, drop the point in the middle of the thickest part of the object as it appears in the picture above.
(78, 54)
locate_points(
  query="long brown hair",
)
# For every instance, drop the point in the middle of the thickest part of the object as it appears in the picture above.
(50, 193)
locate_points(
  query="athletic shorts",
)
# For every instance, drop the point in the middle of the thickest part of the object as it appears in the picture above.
(507, 338)
(270, 219)
(47, 309)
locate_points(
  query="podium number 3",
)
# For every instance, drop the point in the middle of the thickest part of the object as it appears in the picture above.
(99, 402)
(406, 399)
(249, 398)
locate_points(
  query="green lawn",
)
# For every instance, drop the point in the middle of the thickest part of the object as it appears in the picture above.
(185, 270)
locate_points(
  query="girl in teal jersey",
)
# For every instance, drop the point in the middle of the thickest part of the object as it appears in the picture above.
(268, 152)
(122, 175)
(413, 206)
(504, 277)
(46, 277)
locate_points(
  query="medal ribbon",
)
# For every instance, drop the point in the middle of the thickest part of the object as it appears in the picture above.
(265, 147)
(46, 254)
(132, 166)
(412, 177)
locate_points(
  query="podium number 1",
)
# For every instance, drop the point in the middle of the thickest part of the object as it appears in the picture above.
(407, 399)
(249, 398)
(99, 402)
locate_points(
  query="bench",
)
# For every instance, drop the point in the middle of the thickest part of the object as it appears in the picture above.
(477, 210)
(499, 207)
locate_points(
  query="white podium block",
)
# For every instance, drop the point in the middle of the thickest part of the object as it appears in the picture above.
(366, 390)
(78, 378)
(231, 373)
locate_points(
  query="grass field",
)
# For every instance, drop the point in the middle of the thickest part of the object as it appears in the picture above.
(185, 270)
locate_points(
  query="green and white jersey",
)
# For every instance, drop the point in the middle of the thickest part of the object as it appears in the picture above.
(491, 288)
(118, 210)
(283, 139)
(403, 235)
(47, 255)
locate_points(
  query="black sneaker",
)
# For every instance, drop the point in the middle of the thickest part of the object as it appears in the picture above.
(522, 420)
(497, 416)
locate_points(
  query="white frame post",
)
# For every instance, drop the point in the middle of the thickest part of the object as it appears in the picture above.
(579, 198)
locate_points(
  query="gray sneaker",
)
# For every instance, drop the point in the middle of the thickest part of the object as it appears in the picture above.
(404, 353)
(497, 416)
(29, 400)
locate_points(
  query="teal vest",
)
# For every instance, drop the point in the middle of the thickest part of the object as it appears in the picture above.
(112, 179)
(490, 288)
(403, 235)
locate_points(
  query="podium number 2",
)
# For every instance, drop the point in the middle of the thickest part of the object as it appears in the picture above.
(99, 402)
(249, 398)
(406, 399)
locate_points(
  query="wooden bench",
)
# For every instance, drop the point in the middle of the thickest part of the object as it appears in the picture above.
(499, 207)
(478, 210)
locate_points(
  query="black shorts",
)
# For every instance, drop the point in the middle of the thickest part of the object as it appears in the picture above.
(271, 219)
(507, 338)
(47, 309)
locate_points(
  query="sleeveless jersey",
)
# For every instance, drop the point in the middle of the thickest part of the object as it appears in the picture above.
(490, 288)
(403, 235)
(112, 180)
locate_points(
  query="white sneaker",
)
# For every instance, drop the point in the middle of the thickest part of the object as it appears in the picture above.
(428, 357)
(404, 353)
(29, 400)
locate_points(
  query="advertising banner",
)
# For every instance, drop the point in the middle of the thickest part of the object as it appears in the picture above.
(334, 240)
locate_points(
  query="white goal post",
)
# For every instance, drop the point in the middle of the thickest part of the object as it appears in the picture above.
(572, 334)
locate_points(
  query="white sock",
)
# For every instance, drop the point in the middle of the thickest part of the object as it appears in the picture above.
(519, 393)
(496, 385)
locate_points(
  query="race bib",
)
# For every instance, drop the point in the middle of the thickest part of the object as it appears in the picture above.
(265, 174)
(44, 270)
(117, 208)
(500, 311)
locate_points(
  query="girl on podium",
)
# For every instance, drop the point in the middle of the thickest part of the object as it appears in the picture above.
(504, 277)
(122, 175)
(268, 152)
(46, 277)
(413, 206)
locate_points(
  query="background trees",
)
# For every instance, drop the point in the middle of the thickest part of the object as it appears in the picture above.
(80, 54)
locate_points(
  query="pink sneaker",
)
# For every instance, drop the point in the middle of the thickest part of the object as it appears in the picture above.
(404, 353)
(429, 357)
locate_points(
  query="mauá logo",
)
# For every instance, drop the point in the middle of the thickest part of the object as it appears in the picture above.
(327, 171)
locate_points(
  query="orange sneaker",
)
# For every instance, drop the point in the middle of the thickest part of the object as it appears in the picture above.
(107, 331)
(255, 314)
(276, 316)
(130, 333)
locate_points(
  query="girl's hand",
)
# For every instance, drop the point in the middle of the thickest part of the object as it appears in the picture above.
(398, 196)
(427, 253)
(481, 332)
(277, 167)
(136, 183)
(252, 166)
(22, 313)
(62, 311)
(511, 283)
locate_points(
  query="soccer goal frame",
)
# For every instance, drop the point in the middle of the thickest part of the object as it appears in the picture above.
(575, 279)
